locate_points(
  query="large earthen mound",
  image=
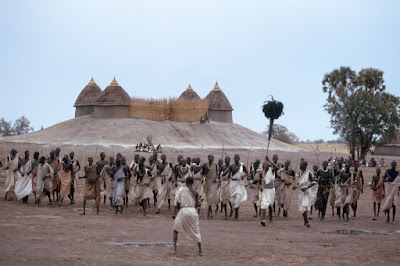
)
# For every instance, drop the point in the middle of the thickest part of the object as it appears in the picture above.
(86, 130)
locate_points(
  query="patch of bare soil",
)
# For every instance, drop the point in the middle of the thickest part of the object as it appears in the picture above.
(56, 235)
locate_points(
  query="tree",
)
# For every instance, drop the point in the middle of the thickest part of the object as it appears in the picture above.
(362, 111)
(281, 133)
(22, 126)
(5, 128)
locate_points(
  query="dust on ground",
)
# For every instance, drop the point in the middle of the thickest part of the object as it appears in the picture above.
(55, 235)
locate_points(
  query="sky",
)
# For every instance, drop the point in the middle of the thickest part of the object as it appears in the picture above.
(49, 50)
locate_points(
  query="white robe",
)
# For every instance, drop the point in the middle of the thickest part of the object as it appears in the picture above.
(187, 219)
(44, 180)
(305, 201)
(162, 185)
(11, 176)
(23, 187)
(237, 189)
(266, 197)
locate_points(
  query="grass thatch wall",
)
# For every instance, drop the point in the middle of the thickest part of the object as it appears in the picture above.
(187, 110)
(150, 109)
(180, 110)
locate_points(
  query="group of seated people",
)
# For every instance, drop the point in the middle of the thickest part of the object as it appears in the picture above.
(147, 147)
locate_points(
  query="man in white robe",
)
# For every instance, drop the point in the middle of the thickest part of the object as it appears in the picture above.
(307, 195)
(266, 196)
(23, 186)
(238, 193)
(43, 181)
(187, 219)
(12, 171)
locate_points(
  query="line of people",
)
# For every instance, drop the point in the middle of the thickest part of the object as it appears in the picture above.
(270, 184)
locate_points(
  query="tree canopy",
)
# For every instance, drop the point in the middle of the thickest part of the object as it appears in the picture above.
(21, 126)
(361, 111)
(281, 133)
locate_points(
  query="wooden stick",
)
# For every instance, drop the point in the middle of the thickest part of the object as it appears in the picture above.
(315, 153)
(299, 187)
(5, 153)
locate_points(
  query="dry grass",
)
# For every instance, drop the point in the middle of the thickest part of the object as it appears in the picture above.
(335, 148)
(151, 109)
(183, 110)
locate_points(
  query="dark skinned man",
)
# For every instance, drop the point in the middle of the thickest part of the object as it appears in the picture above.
(92, 186)
(164, 173)
(392, 183)
(324, 179)
(187, 219)
(210, 172)
(238, 193)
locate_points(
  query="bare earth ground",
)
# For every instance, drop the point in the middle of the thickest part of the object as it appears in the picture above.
(55, 235)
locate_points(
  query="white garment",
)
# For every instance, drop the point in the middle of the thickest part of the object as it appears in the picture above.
(305, 201)
(187, 219)
(23, 187)
(266, 197)
(237, 189)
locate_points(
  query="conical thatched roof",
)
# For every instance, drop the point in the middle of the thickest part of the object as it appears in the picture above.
(217, 100)
(114, 94)
(189, 94)
(88, 95)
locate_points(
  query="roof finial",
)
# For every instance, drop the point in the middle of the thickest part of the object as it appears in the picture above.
(216, 87)
(91, 82)
(114, 82)
(189, 88)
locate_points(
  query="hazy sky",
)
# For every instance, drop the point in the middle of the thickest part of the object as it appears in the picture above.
(49, 50)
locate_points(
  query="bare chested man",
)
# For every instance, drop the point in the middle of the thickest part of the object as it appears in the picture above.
(378, 188)
(358, 187)
(306, 195)
(198, 178)
(237, 189)
(144, 178)
(225, 178)
(324, 179)
(210, 172)
(287, 177)
(255, 179)
(278, 184)
(391, 190)
(118, 175)
(67, 179)
(43, 181)
(76, 166)
(92, 185)
(127, 182)
(54, 163)
(345, 183)
(164, 173)
(23, 186)
(220, 163)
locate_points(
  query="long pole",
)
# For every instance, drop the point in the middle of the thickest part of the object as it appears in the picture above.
(5, 153)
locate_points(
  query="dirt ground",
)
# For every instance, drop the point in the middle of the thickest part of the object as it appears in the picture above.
(56, 235)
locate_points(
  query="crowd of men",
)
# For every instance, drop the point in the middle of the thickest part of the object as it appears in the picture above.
(223, 183)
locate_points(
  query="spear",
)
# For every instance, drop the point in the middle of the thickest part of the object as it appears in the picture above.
(272, 110)
(5, 153)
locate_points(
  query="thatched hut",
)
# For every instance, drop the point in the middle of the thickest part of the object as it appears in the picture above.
(392, 148)
(84, 104)
(189, 94)
(113, 102)
(219, 109)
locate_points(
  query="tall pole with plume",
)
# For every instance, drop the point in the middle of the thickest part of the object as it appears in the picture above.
(272, 110)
